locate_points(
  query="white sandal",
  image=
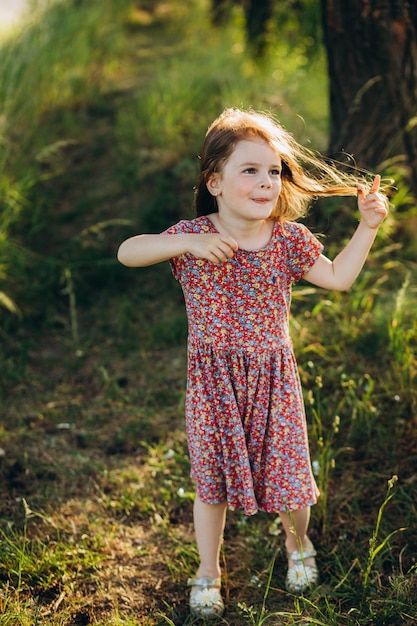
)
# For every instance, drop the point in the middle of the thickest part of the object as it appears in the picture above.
(301, 576)
(206, 602)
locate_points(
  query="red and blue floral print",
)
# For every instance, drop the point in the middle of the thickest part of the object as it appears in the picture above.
(245, 415)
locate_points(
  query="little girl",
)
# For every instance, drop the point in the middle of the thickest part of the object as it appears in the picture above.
(236, 262)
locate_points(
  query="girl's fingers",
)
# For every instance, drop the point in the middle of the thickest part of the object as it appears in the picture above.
(231, 243)
(376, 184)
(374, 189)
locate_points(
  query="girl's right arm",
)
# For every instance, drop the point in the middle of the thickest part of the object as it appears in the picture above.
(143, 250)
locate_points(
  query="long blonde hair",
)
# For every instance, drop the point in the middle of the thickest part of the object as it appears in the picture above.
(305, 174)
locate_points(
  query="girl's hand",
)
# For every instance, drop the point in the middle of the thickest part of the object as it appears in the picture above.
(372, 206)
(213, 247)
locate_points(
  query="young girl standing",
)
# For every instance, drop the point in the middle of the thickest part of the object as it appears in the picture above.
(236, 263)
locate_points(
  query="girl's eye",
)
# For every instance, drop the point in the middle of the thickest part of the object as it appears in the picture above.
(250, 170)
(275, 172)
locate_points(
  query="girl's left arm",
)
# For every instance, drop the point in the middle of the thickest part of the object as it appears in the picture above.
(341, 273)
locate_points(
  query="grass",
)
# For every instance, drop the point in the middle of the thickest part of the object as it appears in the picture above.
(101, 125)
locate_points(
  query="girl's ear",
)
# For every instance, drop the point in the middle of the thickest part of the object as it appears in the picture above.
(213, 184)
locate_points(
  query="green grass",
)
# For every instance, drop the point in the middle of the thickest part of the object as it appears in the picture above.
(102, 109)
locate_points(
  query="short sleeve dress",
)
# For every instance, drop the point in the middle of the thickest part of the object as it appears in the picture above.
(245, 416)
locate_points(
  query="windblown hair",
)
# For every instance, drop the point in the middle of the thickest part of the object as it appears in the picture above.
(305, 174)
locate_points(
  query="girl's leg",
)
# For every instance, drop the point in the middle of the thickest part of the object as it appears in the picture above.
(209, 522)
(302, 571)
(205, 597)
(296, 525)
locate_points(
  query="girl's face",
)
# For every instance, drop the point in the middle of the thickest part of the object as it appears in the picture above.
(250, 182)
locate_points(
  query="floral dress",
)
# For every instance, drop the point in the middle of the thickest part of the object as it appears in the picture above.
(245, 415)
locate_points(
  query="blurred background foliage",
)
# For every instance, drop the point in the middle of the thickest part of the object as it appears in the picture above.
(101, 123)
(103, 107)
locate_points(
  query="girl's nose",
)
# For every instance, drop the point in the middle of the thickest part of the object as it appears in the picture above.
(265, 182)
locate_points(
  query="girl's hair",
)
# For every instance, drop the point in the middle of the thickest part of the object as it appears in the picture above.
(305, 174)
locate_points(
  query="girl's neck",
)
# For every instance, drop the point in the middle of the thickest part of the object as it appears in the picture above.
(250, 235)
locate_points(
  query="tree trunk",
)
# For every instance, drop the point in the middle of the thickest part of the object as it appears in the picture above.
(372, 60)
(220, 10)
(258, 14)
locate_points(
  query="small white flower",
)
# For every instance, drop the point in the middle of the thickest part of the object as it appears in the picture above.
(206, 597)
(316, 467)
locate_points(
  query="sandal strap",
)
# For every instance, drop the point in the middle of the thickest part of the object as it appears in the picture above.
(299, 557)
(204, 582)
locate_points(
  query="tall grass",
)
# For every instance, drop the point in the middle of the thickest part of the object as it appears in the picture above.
(62, 60)
(72, 104)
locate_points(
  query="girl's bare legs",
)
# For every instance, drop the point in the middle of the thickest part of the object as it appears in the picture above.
(296, 525)
(302, 571)
(209, 521)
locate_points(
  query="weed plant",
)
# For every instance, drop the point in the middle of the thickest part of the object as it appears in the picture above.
(102, 109)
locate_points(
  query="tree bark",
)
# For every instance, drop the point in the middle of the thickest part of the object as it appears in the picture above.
(258, 14)
(372, 61)
(220, 10)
